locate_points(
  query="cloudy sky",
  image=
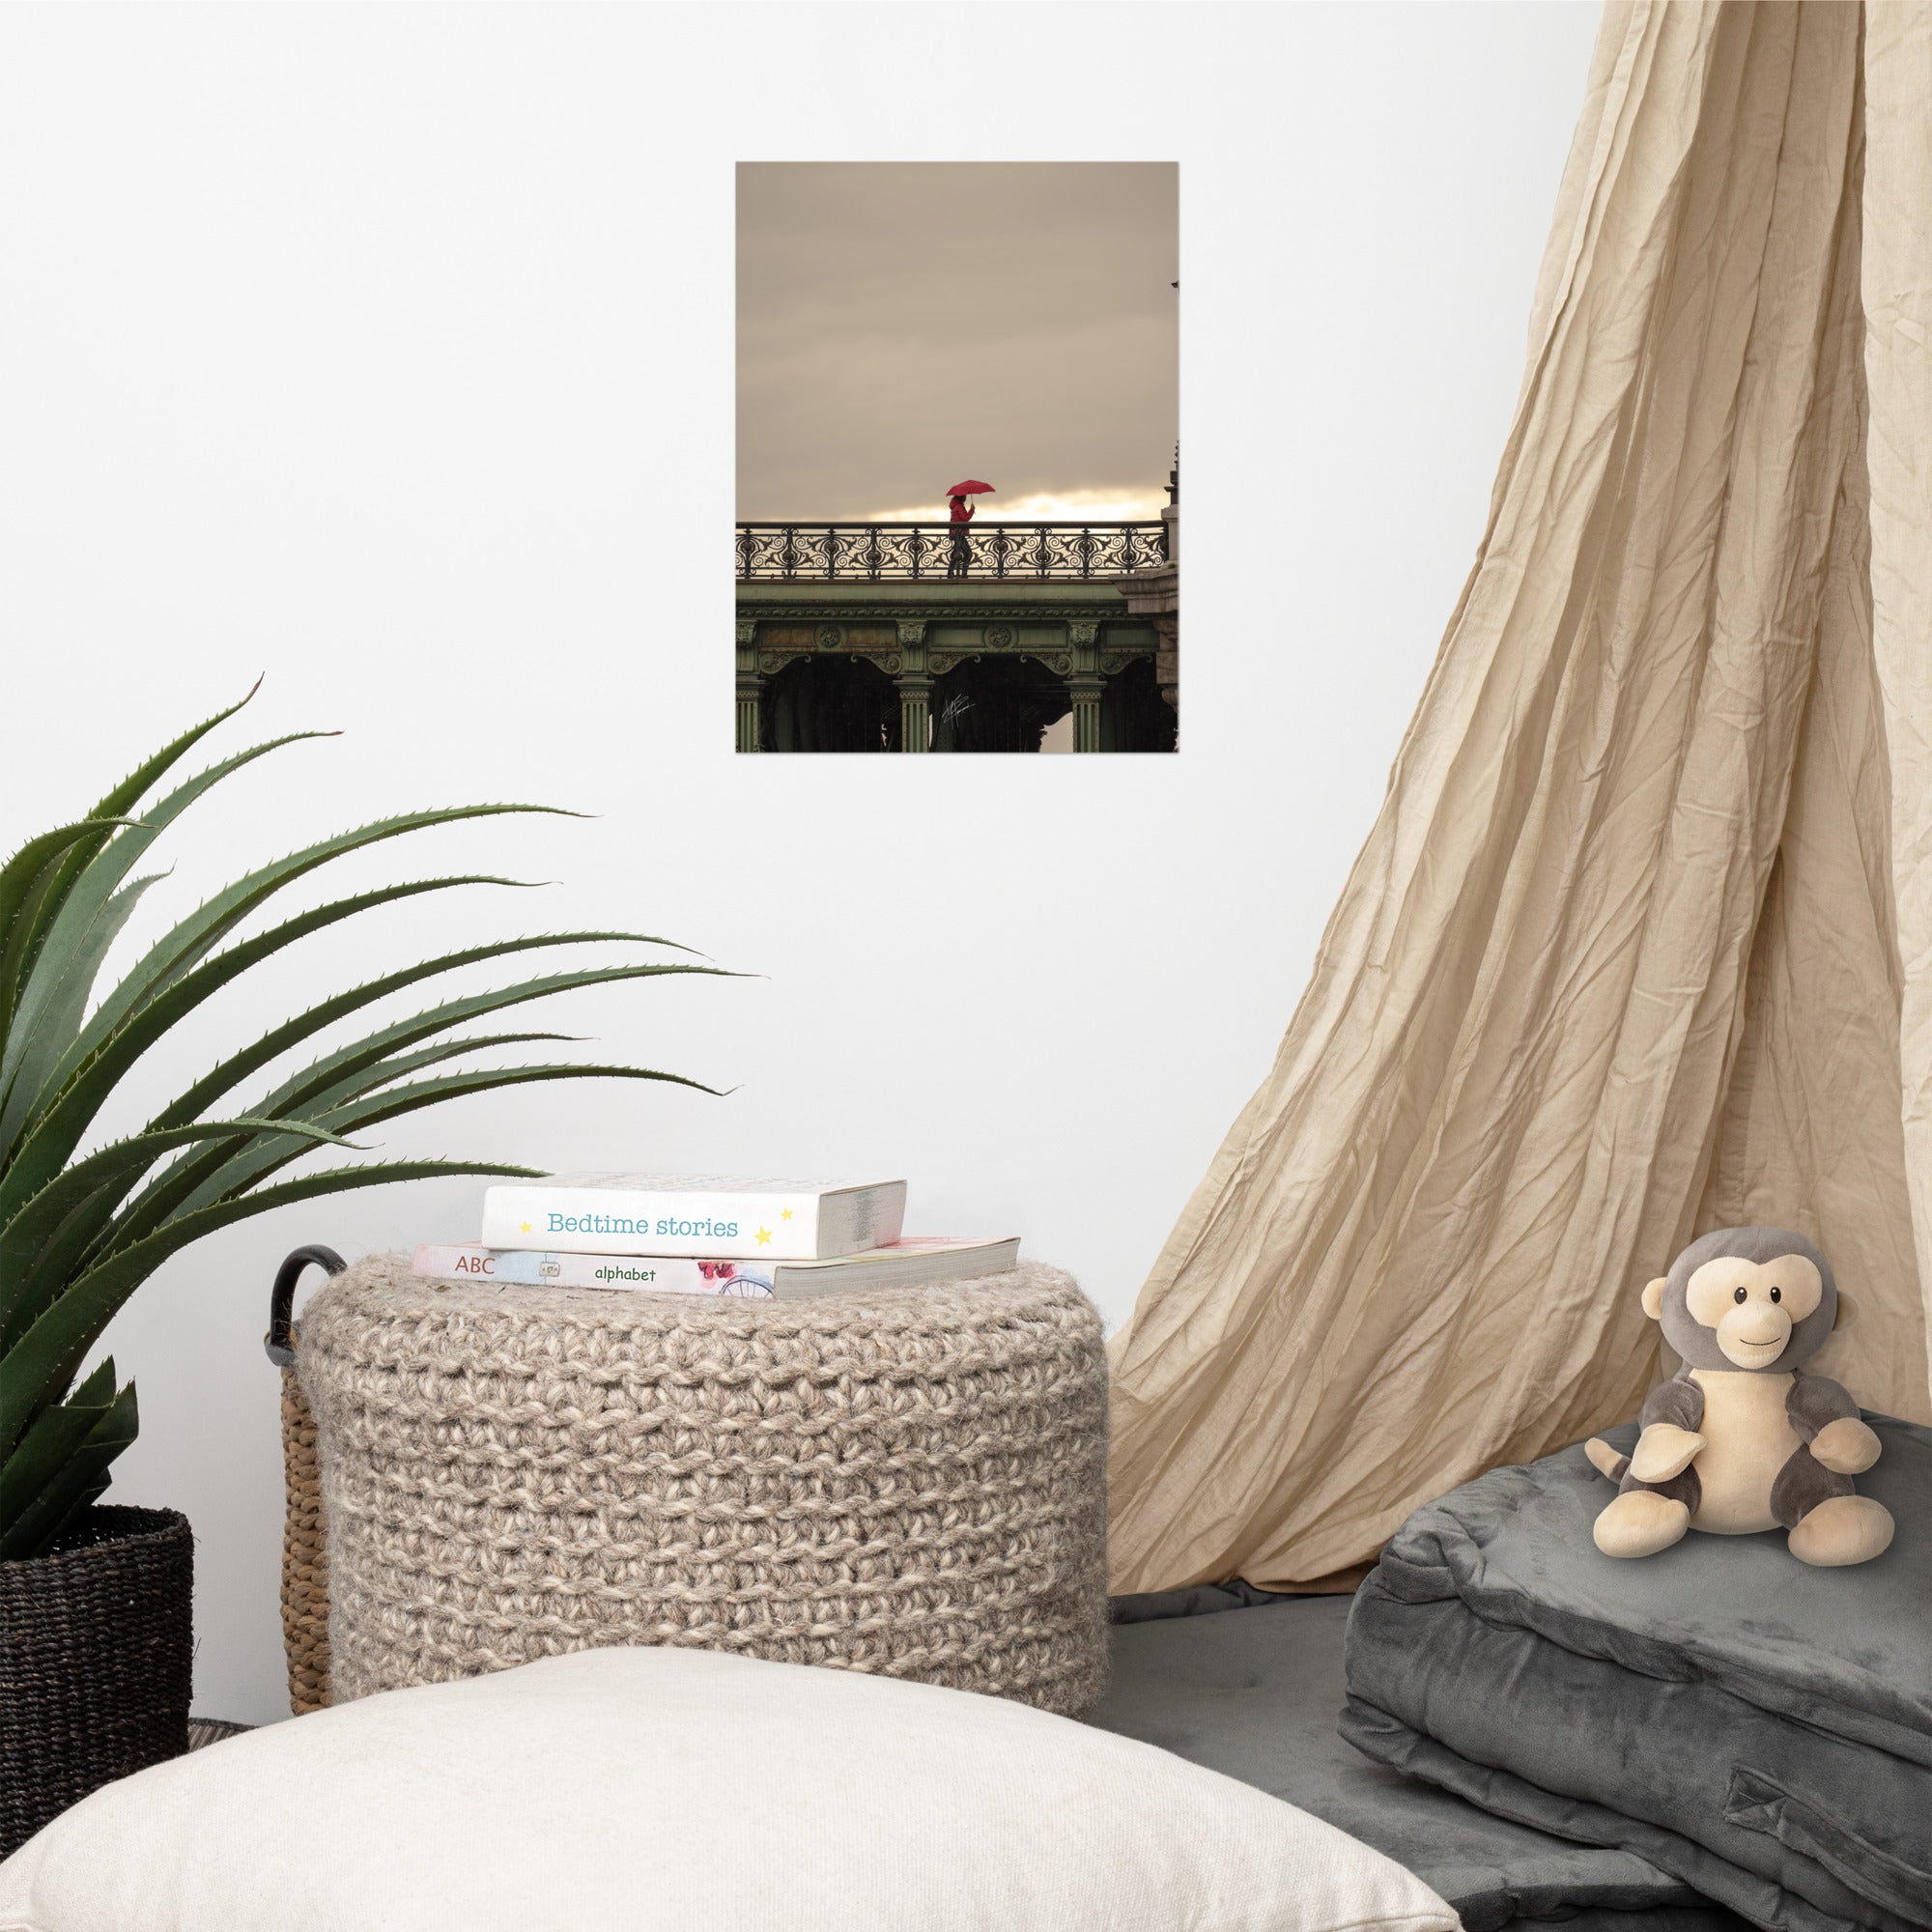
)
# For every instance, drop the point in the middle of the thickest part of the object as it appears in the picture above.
(902, 326)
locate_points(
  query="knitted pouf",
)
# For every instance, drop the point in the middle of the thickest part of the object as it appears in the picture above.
(909, 1481)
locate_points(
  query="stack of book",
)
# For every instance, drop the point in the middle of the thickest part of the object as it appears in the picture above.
(702, 1234)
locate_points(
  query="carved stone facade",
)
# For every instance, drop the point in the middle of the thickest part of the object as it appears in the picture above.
(947, 666)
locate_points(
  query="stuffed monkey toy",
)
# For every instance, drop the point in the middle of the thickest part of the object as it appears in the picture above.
(1740, 1438)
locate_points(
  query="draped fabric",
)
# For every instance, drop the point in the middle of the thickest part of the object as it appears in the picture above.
(1641, 941)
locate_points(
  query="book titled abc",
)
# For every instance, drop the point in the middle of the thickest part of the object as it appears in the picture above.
(916, 1262)
(694, 1215)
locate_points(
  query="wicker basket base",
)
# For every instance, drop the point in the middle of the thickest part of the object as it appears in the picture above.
(304, 1556)
(97, 1657)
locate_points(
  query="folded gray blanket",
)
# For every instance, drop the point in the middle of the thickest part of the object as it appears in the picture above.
(1249, 1684)
(1760, 1729)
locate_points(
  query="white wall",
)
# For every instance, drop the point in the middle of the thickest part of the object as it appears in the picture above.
(388, 351)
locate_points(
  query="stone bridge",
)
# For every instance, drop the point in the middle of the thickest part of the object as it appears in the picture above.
(848, 644)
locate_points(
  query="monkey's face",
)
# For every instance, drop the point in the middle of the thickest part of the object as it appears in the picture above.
(1761, 1299)
(1754, 1306)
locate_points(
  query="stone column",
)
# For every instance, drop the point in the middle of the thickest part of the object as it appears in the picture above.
(1086, 695)
(749, 687)
(915, 688)
(915, 712)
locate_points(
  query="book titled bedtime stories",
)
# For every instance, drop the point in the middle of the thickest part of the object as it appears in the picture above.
(707, 1215)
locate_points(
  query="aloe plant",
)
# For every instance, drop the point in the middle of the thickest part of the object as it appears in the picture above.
(80, 1231)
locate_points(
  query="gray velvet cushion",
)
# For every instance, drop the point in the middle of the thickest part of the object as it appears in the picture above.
(1758, 1729)
(1254, 1691)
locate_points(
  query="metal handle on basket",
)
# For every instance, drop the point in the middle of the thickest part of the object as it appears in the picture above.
(280, 1341)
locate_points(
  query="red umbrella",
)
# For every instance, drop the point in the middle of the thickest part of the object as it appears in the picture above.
(969, 488)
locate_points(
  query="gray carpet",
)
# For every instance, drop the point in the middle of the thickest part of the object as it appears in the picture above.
(211, 1731)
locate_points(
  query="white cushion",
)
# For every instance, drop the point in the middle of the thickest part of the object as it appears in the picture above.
(684, 1790)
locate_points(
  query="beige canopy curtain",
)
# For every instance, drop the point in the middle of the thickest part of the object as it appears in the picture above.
(1641, 941)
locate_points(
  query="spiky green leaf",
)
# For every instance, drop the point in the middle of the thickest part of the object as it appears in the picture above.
(27, 1227)
(262, 1156)
(182, 1182)
(36, 1367)
(75, 1481)
(63, 948)
(195, 937)
(51, 888)
(229, 1073)
(60, 1020)
(58, 1129)
(48, 1446)
(35, 864)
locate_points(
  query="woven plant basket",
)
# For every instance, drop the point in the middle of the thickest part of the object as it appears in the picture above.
(96, 1651)
(304, 1549)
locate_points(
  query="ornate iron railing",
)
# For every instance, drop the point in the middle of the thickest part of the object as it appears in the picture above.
(1002, 551)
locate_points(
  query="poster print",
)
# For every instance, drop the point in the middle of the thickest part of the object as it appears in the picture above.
(957, 468)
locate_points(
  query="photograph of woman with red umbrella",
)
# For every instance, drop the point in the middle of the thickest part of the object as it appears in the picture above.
(894, 318)
(960, 561)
